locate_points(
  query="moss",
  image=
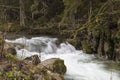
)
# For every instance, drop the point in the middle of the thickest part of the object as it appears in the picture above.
(59, 67)
(0, 73)
(9, 74)
(11, 57)
(16, 75)
(86, 47)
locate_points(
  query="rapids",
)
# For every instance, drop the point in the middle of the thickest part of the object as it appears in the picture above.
(80, 66)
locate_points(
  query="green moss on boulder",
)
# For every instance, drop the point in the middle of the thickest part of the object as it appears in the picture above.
(86, 47)
(55, 64)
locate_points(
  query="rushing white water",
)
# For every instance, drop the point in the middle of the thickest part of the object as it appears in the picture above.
(80, 66)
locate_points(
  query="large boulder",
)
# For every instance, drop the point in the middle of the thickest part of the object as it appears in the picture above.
(55, 65)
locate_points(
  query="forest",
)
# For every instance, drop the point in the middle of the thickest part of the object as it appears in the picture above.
(84, 27)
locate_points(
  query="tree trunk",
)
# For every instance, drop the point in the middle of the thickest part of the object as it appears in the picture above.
(1, 45)
(22, 13)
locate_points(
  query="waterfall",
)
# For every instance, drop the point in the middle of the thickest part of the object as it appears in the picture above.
(80, 66)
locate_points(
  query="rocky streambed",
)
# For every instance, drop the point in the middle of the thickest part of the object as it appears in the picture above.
(29, 68)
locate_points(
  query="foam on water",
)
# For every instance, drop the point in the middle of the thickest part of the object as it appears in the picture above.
(80, 66)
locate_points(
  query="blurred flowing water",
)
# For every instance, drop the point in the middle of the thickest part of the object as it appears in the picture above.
(80, 66)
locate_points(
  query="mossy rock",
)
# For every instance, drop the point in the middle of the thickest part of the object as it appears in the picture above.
(86, 47)
(35, 60)
(55, 64)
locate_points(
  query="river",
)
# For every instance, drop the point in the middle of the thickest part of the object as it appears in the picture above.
(80, 66)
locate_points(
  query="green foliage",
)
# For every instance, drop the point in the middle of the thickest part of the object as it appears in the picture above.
(10, 74)
(0, 73)
(16, 75)
(11, 57)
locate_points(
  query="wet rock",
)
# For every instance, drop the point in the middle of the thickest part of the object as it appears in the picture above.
(33, 60)
(55, 65)
(86, 47)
